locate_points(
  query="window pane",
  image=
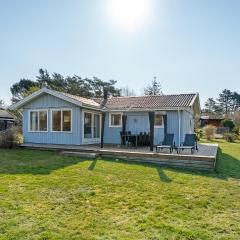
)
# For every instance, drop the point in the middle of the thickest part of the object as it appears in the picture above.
(43, 121)
(96, 126)
(67, 120)
(87, 125)
(115, 119)
(158, 120)
(33, 121)
(56, 120)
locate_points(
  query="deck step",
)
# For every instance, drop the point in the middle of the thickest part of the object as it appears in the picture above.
(79, 154)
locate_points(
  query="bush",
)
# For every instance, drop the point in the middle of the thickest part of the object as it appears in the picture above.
(10, 138)
(199, 133)
(236, 129)
(209, 132)
(228, 123)
(230, 137)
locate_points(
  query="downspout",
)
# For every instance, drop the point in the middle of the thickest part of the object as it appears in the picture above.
(179, 127)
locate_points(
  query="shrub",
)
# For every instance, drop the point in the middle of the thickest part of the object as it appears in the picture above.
(199, 133)
(228, 123)
(209, 132)
(236, 129)
(230, 137)
(10, 138)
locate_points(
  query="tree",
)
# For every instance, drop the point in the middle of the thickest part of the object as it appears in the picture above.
(126, 91)
(19, 90)
(154, 88)
(225, 100)
(73, 85)
(210, 105)
(235, 101)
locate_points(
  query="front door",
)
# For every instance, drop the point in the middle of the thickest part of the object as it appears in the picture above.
(91, 127)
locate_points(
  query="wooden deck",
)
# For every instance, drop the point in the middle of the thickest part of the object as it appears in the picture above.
(204, 159)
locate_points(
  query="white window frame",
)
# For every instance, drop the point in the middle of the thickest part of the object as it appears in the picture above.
(90, 140)
(29, 120)
(110, 117)
(159, 126)
(61, 127)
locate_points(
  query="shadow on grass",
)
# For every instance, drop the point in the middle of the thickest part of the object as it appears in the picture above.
(19, 161)
(92, 165)
(162, 175)
(227, 166)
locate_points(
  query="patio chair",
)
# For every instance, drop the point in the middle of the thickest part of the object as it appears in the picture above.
(144, 139)
(166, 143)
(190, 142)
(140, 138)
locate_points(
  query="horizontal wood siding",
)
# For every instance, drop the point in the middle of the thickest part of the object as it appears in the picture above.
(48, 102)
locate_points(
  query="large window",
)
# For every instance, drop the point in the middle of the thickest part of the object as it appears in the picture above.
(38, 121)
(92, 125)
(158, 120)
(115, 120)
(61, 120)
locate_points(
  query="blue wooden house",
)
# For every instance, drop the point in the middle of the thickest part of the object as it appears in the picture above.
(51, 117)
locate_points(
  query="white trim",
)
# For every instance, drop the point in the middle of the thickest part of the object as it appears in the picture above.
(29, 119)
(91, 140)
(179, 127)
(110, 117)
(159, 126)
(41, 92)
(61, 127)
(194, 99)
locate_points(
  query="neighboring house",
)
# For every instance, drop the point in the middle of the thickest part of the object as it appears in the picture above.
(6, 120)
(214, 120)
(52, 117)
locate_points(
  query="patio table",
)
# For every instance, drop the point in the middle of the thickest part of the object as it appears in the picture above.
(131, 135)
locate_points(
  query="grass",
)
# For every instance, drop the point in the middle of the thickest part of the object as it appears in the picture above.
(47, 196)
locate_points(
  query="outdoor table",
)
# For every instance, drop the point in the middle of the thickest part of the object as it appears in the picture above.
(131, 135)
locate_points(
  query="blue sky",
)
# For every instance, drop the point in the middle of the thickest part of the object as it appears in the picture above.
(191, 46)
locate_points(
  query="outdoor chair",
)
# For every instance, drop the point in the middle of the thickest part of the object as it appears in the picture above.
(144, 139)
(190, 142)
(140, 138)
(166, 143)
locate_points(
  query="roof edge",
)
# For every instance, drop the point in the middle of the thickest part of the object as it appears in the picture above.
(40, 92)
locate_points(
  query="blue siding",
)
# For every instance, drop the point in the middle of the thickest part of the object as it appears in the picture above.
(136, 122)
(47, 102)
(187, 123)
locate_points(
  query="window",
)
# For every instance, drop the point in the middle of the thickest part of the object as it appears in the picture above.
(38, 121)
(158, 120)
(91, 125)
(87, 125)
(115, 120)
(61, 120)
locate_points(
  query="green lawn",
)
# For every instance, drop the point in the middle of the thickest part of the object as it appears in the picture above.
(47, 196)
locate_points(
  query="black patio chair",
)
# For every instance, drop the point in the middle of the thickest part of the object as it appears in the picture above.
(190, 142)
(144, 139)
(140, 138)
(166, 143)
(147, 142)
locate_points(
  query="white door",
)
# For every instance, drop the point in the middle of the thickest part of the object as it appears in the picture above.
(91, 127)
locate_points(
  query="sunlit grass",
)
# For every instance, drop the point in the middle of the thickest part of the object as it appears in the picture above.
(47, 196)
